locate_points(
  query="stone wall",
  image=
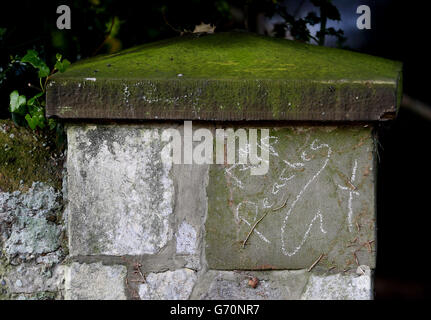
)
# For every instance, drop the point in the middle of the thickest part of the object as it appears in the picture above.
(137, 227)
(140, 228)
(33, 241)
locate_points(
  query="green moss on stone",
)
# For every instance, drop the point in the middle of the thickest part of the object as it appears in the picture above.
(26, 157)
(228, 76)
(234, 56)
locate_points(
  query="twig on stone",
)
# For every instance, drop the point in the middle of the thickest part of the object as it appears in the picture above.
(253, 227)
(368, 244)
(356, 258)
(315, 262)
(282, 206)
(137, 267)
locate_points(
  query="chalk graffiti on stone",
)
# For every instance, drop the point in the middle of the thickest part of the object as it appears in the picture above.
(181, 150)
(281, 211)
(298, 198)
(352, 191)
(276, 187)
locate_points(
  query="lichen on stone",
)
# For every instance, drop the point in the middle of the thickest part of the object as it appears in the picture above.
(31, 249)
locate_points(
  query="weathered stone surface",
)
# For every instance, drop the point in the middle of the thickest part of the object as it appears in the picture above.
(27, 229)
(190, 211)
(120, 192)
(340, 287)
(169, 285)
(272, 285)
(186, 238)
(33, 278)
(31, 231)
(95, 282)
(319, 195)
(228, 76)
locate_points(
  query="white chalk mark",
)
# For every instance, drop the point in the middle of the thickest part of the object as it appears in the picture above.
(238, 217)
(276, 187)
(304, 156)
(355, 166)
(318, 215)
(266, 204)
(260, 235)
(352, 192)
(294, 165)
(245, 151)
(298, 197)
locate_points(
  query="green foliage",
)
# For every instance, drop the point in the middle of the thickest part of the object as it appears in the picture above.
(61, 65)
(17, 103)
(298, 26)
(33, 109)
(33, 58)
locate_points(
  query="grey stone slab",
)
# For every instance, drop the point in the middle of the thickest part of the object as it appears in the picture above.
(120, 192)
(228, 77)
(95, 281)
(340, 287)
(25, 229)
(230, 285)
(169, 285)
(32, 278)
(318, 196)
(190, 211)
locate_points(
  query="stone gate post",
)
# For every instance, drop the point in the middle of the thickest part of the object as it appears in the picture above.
(162, 206)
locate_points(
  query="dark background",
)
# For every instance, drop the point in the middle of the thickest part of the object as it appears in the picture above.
(399, 31)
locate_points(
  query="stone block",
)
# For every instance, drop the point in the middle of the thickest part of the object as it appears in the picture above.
(33, 278)
(271, 285)
(169, 285)
(340, 287)
(95, 281)
(317, 198)
(120, 192)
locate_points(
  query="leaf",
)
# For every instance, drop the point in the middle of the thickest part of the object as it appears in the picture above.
(62, 65)
(35, 117)
(32, 101)
(52, 124)
(31, 123)
(58, 56)
(38, 120)
(312, 18)
(204, 28)
(17, 103)
(33, 58)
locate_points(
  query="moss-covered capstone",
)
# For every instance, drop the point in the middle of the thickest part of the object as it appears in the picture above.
(228, 76)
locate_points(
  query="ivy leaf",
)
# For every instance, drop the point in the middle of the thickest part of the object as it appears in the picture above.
(32, 101)
(36, 118)
(31, 122)
(52, 124)
(33, 58)
(17, 103)
(62, 65)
